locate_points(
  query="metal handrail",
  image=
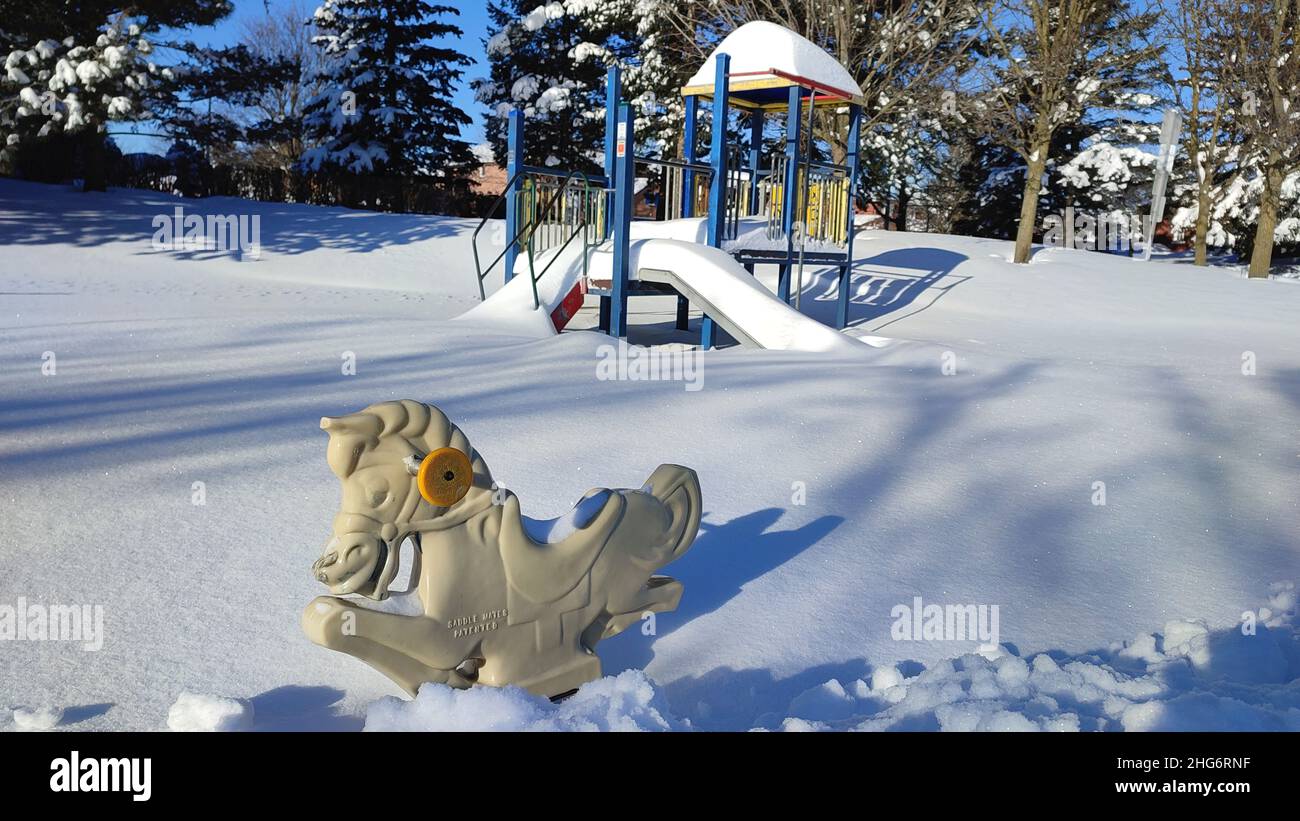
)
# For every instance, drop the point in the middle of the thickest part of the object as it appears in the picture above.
(478, 268)
(829, 166)
(672, 179)
(689, 166)
(530, 229)
(582, 226)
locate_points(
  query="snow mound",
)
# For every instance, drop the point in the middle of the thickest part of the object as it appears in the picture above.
(626, 702)
(1187, 678)
(759, 47)
(198, 713)
(38, 718)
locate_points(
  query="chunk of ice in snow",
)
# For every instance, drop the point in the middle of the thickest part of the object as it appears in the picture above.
(195, 712)
(38, 718)
(885, 677)
(826, 702)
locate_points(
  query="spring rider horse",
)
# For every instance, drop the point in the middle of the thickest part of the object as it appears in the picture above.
(498, 604)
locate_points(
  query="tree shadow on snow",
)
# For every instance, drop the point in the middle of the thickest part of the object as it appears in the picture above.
(35, 214)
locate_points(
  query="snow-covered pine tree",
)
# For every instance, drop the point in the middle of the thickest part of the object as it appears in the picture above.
(550, 60)
(1105, 162)
(550, 64)
(900, 157)
(386, 105)
(915, 141)
(67, 88)
(72, 68)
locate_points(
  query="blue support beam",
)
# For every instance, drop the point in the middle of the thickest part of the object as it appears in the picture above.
(718, 154)
(855, 138)
(717, 185)
(624, 182)
(690, 137)
(790, 186)
(755, 155)
(514, 161)
(613, 96)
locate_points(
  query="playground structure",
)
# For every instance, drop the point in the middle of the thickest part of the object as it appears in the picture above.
(792, 212)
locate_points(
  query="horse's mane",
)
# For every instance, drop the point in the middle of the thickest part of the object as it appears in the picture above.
(420, 427)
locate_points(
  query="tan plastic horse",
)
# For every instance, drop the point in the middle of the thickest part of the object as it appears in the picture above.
(497, 604)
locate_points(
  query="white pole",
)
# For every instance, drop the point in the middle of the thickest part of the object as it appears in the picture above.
(1170, 130)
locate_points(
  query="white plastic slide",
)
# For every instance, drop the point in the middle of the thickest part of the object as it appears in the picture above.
(709, 277)
(721, 287)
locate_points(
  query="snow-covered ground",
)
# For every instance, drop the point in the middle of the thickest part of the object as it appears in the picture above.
(958, 463)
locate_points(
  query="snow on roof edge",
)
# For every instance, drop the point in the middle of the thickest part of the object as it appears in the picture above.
(760, 47)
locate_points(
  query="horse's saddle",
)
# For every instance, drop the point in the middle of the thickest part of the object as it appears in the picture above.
(548, 563)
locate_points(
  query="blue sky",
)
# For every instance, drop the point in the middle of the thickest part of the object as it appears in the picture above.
(473, 20)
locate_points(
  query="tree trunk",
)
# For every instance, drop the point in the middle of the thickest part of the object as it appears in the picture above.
(93, 160)
(1202, 224)
(904, 199)
(1261, 256)
(1029, 204)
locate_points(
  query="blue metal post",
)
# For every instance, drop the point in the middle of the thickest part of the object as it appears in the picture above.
(624, 183)
(718, 185)
(689, 138)
(790, 186)
(613, 96)
(755, 155)
(718, 153)
(514, 161)
(855, 134)
(688, 191)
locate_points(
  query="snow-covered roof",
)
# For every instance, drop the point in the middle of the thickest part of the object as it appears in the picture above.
(766, 59)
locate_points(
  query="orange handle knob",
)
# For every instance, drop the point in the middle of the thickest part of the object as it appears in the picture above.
(445, 477)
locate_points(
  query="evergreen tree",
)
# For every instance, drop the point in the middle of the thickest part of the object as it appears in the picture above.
(551, 65)
(386, 103)
(72, 68)
(992, 179)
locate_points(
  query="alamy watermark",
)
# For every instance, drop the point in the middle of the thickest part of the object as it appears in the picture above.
(624, 362)
(1109, 231)
(945, 622)
(73, 773)
(179, 231)
(30, 621)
